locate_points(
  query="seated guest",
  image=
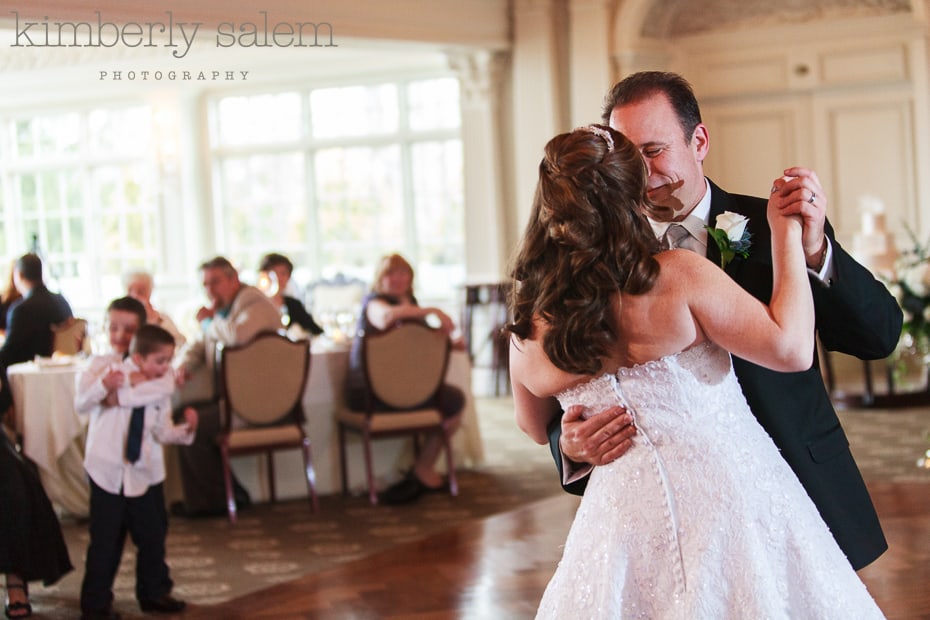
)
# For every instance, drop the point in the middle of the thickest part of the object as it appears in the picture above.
(139, 284)
(32, 547)
(8, 296)
(236, 314)
(282, 267)
(391, 300)
(30, 320)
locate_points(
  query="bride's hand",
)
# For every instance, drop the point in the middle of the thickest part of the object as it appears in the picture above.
(782, 210)
(803, 196)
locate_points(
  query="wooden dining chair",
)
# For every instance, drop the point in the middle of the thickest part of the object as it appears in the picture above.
(261, 387)
(68, 337)
(404, 368)
(488, 303)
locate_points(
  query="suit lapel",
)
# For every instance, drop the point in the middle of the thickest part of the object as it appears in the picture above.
(720, 202)
(713, 252)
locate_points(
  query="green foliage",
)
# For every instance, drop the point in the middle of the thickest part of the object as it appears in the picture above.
(728, 249)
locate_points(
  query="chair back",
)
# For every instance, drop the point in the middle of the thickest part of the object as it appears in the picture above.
(69, 336)
(405, 365)
(262, 381)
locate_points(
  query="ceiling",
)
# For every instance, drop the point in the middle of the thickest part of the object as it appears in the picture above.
(664, 19)
(674, 18)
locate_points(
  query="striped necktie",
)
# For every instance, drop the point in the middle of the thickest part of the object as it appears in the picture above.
(676, 236)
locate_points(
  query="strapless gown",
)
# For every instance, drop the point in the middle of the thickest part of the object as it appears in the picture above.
(702, 519)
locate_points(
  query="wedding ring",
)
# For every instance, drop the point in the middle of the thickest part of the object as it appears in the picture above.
(774, 189)
(813, 196)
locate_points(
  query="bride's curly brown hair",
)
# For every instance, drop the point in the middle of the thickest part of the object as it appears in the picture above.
(587, 238)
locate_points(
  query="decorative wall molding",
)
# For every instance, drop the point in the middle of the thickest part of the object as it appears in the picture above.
(675, 18)
(480, 74)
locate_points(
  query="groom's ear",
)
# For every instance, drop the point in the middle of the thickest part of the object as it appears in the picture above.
(700, 142)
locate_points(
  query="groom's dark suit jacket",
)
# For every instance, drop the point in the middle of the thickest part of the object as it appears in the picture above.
(855, 315)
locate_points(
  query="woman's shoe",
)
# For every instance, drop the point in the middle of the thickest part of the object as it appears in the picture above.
(408, 489)
(18, 609)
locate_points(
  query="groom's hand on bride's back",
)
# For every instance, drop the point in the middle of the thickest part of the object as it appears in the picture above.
(598, 440)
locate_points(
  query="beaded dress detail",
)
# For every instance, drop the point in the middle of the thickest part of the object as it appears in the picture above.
(702, 518)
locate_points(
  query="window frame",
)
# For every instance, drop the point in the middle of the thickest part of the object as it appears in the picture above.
(309, 253)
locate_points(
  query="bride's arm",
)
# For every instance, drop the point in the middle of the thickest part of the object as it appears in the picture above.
(780, 335)
(533, 413)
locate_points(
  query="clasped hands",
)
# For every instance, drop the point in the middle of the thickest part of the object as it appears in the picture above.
(805, 197)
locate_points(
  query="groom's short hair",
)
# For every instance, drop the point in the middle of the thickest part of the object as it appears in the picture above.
(639, 86)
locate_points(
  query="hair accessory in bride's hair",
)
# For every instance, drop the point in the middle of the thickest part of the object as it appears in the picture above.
(599, 131)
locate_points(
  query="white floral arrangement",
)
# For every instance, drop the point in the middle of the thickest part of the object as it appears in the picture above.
(731, 236)
(911, 287)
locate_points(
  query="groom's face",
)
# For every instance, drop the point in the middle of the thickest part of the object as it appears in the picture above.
(674, 162)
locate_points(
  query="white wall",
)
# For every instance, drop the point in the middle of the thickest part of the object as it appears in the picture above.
(847, 98)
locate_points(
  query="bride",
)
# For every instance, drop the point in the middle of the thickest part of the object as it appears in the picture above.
(701, 519)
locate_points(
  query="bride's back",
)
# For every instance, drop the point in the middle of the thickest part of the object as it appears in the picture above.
(649, 326)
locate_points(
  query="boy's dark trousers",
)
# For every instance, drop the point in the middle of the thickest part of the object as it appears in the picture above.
(111, 517)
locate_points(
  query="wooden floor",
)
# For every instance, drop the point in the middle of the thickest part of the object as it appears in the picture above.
(498, 568)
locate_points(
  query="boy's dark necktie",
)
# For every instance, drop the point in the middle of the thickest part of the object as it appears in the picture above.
(134, 437)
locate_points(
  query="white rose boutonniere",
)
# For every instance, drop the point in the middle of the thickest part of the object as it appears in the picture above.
(731, 236)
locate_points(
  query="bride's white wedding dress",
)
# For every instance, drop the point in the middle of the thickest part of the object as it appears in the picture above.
(702, 519)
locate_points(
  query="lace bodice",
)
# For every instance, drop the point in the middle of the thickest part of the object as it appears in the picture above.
(667, 384)
(701, 518)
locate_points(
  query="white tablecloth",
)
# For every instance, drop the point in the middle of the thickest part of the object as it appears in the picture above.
(53, 434)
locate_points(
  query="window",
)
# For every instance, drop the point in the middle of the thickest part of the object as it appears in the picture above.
(335, 177)
(80, 187)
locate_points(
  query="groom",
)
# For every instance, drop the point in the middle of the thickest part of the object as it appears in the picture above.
(855, 313)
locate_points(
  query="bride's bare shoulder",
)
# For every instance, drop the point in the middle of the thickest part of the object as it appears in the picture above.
(684, 263)
(530, 366)
(679, 257)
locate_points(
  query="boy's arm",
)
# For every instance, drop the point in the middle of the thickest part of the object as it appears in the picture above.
(146, 393)
(166, 431)
(90, 390)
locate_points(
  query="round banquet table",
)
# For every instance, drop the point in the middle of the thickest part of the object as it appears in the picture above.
(52, 433)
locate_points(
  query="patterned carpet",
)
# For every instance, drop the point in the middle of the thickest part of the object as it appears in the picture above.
(887, 443)
(212, 561)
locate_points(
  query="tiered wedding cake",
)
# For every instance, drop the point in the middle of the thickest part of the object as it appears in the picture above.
(873, 245)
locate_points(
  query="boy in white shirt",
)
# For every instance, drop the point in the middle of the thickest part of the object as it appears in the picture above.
(124, 459)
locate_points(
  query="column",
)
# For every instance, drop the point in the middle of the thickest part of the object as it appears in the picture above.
(540, 93)
(486, 223)
(590, 71)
